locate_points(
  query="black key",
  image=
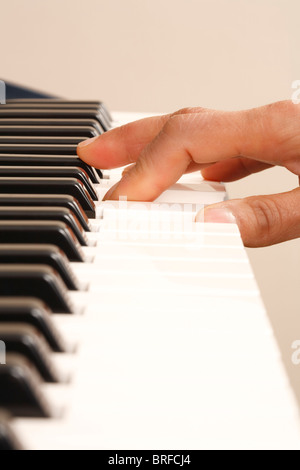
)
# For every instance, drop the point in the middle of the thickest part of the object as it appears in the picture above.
(45, 233)
(56, 214)
(69, 186)
(20, 389)
(92, 123)
(107, 114)
(33, 312)
(65, 150)
(50, 160)
(50, 172)
(25, 340)
(36, 149)
(8, 439)
(49, 255)
(52, 100)
(99, 172)
(60, 104)
(44, 131)
(99, 115)
(48, 200)
(44, 113)
(53, 105)
(59, 214)
(39, 140)
(38, 281)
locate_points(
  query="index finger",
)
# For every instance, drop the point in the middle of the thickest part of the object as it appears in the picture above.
(122, 145)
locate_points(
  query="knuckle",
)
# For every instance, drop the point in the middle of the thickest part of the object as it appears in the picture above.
(172, 122)
(276, 126)
(183, 111)
(179, 129)
(267, 219)
(142, 166)
(281, 114)
(186, 124)
(191, 110)
(174, 126)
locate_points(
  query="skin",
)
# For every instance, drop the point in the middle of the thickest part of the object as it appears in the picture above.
(224, 146)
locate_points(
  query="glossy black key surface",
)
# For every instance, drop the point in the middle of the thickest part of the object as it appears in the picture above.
(50, 160)
(36, 149)
(52, 100)
(50, 172)
(46, 200)
(52, 105)
(48, 113)
(38, 281)
(45, 233)
(49, 255)
(26, 341)
(92, 123)
(39, 140)
(62, 104)
(33, 312)
(44, 131)
(8, 439)
(20, 389)
(98, 112)
(69, 186)
(58, 214)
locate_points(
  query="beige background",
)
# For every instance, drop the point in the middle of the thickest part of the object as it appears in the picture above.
(160, 55)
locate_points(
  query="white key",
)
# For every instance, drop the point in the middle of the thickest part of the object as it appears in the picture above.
(193, 239)
(205, 192)
(160, 282)
(125, 250)
(148, 265)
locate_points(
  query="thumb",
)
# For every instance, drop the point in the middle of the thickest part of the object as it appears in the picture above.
(262, 220)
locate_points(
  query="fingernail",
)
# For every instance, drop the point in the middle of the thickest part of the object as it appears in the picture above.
(110, 192)
(87, 142)
(221, 215)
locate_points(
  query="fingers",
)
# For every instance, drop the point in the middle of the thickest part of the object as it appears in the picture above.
(262, 220)
(268, 134)
(165, 148)
(175, 150)
(159, 165)
(234, 169)
(122, 145)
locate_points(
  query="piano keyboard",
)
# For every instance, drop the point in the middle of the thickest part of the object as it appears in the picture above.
(127, 325)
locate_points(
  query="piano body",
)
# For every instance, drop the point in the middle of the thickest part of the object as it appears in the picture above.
(126, 325)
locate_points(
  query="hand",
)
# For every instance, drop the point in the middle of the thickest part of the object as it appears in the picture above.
(225, 146)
